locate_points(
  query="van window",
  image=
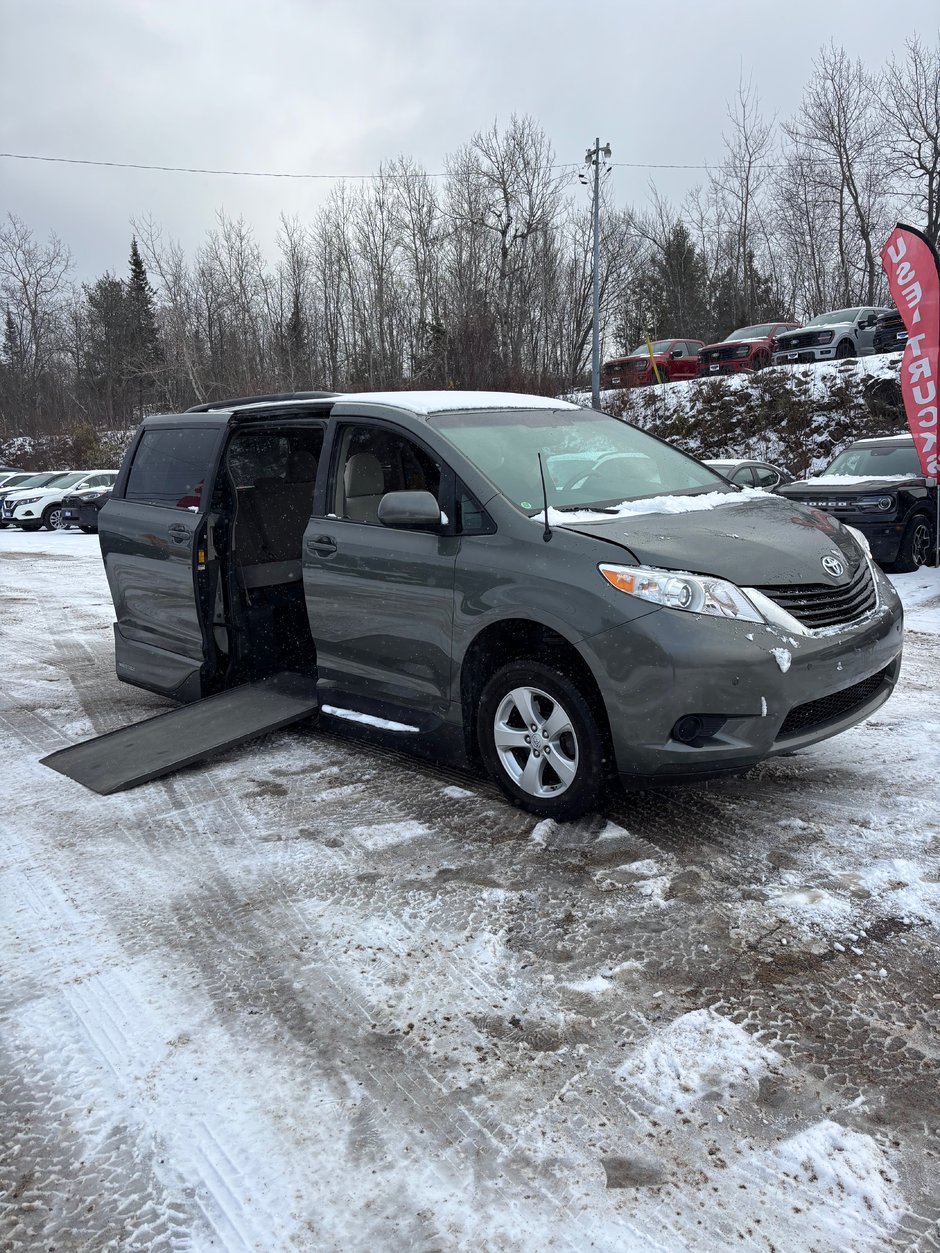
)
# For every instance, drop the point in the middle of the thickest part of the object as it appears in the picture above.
(374, 461)
(170, 468)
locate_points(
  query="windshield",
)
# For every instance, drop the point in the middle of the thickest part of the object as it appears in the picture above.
(751, 332)
(659, 345)
(589, 458)
(66, 480)
(874, 460)
(837, 315)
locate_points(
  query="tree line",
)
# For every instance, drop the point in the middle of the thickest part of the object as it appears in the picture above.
(482, 279)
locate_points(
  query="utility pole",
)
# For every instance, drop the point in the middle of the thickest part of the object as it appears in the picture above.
(593, 157)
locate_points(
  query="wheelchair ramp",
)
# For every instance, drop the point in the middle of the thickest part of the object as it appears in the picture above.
(147, 750)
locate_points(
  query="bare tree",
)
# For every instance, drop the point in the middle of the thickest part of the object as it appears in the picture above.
(840, 134)
(911, 101)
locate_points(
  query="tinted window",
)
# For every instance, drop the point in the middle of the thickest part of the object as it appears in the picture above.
(766, 476)
(744, 477)
(678, 349)
(170, 468)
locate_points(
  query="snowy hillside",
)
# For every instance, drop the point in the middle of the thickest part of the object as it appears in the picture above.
(797, 416)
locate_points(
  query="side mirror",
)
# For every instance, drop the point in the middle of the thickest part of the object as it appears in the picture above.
(409, 509)
(676, 352)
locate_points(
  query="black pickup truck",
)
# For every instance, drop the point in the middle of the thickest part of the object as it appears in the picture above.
(877, 487)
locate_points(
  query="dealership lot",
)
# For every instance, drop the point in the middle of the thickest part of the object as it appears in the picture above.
(317, 995)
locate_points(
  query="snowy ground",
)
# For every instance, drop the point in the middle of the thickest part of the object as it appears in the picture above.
(319, 996)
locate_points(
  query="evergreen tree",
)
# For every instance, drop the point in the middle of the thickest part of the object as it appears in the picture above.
(106, 355)
(143, 346)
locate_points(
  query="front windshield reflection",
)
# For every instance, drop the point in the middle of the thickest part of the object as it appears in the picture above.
(590, 459)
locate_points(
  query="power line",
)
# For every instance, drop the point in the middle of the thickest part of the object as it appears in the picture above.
(195, 169)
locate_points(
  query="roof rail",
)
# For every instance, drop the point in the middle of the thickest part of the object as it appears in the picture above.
(255, 400)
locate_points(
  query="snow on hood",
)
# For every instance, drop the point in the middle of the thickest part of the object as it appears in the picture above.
(849, 480)
(655, 504)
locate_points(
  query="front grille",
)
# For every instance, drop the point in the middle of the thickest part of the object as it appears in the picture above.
(817, 605)
(816, 713)
(806, 339)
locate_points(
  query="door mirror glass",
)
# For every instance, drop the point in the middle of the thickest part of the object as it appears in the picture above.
(409, 509)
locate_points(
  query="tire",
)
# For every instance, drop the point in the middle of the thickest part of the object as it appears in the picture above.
(88, 530)
(563, 782)
(916, 548)
(51, 517)
(761, 361)
(845, 349)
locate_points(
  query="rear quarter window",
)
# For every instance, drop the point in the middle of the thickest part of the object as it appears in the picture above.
(171, 468)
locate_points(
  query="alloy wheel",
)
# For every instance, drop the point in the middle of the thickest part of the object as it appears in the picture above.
(920, 544)
(536, 742)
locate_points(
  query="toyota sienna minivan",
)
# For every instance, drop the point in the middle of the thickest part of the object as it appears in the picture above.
(494, 579)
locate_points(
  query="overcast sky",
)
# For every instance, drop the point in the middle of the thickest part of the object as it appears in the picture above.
(324, 86)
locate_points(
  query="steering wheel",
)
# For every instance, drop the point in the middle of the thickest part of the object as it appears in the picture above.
(584, 476)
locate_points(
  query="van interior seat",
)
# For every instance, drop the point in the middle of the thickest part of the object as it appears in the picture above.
(272, 515)
(364, 487)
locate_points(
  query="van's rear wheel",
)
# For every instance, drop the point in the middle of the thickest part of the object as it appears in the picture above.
(540, 740)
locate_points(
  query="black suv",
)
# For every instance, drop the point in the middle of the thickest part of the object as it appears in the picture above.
(890, 333)
(877, 487)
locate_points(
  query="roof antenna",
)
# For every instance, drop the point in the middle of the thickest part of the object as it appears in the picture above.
(547, 533)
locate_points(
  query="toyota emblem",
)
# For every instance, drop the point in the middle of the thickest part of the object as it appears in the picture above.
(833, 566)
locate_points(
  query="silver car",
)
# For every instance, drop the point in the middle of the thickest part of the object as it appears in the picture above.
(837, 334)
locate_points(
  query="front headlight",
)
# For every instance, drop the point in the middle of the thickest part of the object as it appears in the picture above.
(742, 351)
(695, 593)
(25, 500)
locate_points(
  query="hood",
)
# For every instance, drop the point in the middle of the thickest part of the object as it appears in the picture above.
(757, 542)
(735, 343)
(826, 486)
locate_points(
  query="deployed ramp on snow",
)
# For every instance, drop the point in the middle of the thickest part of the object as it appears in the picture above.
(157, 746)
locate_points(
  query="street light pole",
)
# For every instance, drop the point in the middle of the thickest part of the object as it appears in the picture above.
(593, 157)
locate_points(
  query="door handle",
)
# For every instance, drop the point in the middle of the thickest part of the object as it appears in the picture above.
(322, 546)
(179, 533)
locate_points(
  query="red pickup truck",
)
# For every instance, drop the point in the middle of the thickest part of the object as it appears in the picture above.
(748, 348)
(675, 359)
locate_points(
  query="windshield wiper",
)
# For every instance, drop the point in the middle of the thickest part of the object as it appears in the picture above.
(592, 508)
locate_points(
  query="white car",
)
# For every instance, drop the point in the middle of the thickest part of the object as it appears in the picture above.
(33, 507)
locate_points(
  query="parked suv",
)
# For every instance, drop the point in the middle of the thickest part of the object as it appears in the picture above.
(749, 348)
(643, 616)
(33, 507)
(890, 333)
(44, 479)
(840, 333)
(675, 359)
(877, 486)
(81, 509)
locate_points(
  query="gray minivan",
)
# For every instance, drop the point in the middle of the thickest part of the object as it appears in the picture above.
(494, 578)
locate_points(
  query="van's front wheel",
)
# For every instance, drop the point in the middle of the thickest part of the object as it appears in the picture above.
(540, 741)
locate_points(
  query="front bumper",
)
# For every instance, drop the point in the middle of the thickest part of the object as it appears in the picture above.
(669, 665)
(710, 369)
(798, 356)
